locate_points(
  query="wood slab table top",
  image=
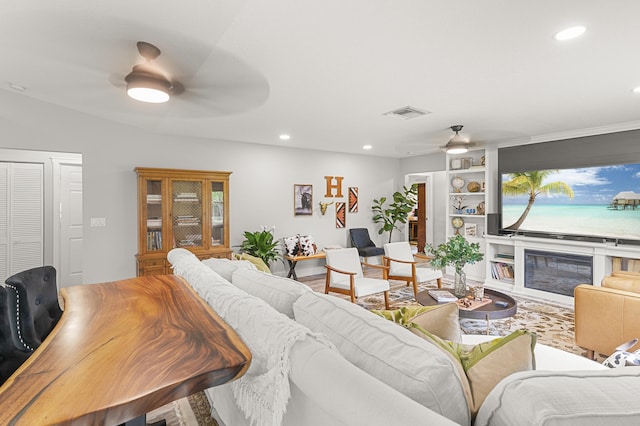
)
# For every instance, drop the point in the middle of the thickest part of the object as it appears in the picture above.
(120, 350)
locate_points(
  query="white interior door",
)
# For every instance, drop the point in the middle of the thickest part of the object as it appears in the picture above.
(70, 241)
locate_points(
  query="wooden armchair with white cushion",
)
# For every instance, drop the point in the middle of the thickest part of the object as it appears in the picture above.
(344, 276)
(403, 266)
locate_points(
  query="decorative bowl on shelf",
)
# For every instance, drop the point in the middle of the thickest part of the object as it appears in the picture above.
(473, 186)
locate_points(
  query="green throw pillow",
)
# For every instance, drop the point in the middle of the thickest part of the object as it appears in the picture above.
(441, 320)
(487, 363)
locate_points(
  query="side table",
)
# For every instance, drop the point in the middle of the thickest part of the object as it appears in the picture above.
(293, 261)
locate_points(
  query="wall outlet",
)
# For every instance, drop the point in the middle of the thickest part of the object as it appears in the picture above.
(98, 222)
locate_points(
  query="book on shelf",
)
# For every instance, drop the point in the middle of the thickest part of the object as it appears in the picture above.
(501, 271)
(442, 296)
(505, 256)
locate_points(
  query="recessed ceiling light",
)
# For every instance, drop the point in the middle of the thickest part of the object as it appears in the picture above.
(569, 33)
(285, 137)
(367, 147)
(636, 90)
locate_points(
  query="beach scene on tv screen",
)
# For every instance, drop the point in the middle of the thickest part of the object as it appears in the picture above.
(592, 201)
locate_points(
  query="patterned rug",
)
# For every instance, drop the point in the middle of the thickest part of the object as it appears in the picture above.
(553, 323)
(190, 411)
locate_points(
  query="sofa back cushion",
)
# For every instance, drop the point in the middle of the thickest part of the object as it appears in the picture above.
(388, 352)
(279, 292)
(622, 282)
(225, 267)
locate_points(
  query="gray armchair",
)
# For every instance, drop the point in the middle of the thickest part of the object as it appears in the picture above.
(360, 239)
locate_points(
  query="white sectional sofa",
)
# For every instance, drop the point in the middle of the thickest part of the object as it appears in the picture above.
(334, 363)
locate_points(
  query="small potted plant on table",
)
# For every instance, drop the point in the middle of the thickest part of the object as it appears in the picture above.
(457, 252)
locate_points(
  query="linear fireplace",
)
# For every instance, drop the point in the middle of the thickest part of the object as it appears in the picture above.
(557, 273)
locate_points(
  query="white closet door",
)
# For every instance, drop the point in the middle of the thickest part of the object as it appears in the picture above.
(4, 221)
(24, 199)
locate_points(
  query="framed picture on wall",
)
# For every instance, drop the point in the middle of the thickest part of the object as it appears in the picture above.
(302, 199)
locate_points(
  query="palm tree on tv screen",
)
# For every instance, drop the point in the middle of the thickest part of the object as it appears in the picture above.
(530, 183)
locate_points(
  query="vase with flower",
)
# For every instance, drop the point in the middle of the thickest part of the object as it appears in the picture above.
(456, 252)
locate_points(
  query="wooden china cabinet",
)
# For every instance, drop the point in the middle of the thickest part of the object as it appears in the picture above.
(181, 208)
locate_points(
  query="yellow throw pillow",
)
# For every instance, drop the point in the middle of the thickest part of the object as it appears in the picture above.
(257, 262)
(489, 362)
(441, 320)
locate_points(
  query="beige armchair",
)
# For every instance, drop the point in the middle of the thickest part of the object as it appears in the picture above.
(608, 316)
(345, 276)
(404, 265)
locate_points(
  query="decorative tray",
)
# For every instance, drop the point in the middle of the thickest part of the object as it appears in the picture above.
(468, 304)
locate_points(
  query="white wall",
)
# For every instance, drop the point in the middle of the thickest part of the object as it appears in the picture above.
(261, 184)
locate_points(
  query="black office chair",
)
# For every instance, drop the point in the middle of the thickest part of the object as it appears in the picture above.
(33, 305)
(10, 356)
(360, 239)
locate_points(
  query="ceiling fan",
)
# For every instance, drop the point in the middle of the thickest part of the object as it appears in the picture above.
(196, 80)
(146, 83)
(458, 144)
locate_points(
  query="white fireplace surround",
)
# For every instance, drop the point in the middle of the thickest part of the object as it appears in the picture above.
(499, 248)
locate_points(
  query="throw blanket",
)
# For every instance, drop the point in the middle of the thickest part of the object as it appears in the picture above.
(263, 392)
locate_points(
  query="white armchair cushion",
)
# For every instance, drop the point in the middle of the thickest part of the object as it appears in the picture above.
(364, 286)
(402, 251)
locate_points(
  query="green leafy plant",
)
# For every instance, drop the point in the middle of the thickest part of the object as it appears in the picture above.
(260, 244)
(457, 252)
(397, 211)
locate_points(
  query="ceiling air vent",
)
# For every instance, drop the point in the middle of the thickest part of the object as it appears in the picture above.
(407, 112)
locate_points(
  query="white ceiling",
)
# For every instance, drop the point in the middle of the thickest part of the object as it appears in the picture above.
(326, 71)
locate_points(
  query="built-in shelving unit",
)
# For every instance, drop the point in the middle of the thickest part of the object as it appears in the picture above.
(466, 198)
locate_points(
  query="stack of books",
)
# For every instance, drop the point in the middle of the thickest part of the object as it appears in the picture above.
(442, 296)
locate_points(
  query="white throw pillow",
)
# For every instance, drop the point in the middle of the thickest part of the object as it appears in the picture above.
(388, 352)
(279, 292)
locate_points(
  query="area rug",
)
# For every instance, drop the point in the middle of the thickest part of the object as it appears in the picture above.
(553, 323)
(193, 410)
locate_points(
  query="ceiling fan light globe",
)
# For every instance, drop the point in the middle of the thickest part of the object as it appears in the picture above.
(457, 150)
(147, 94)
(146, 86)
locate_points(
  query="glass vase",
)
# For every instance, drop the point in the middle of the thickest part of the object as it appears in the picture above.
(460, 284)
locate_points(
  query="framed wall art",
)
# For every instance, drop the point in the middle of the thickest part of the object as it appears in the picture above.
(353, 199)
(302, 199)
(341, 215)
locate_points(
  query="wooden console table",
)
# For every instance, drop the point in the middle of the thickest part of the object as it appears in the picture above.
(293, 260)
(120, 350)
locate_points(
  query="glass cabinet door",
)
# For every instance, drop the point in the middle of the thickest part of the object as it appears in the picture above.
(153, 215)
(217, 214)
(187, 213)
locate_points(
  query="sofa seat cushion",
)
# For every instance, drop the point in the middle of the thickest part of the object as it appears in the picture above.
(569, 398)
(279, 292)
(442, 320)
(390, 353)
(487, 363)
(226, 267)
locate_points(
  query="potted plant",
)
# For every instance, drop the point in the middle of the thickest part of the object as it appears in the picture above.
(398, 211)
(457, 252)
(260, 244)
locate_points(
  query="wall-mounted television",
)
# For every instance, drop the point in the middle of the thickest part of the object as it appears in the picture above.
(595, 203)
